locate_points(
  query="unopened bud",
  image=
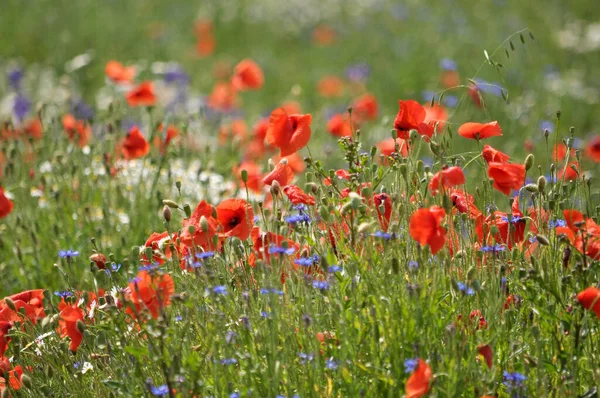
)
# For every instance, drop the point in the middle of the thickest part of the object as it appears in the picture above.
(188, 211)
(542, 240)
(10, 304)
(99, 260)
(167, 213)
(355, 200)
(26, 380)
(80, 326)
(275, 188)
(529, 161)
(541, 183)
(531, 188)
(170, 203)
(204, 224)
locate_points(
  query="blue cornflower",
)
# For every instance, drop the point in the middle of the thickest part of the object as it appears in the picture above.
(465, 289)
(178, 318)
(148, 267)
(358, 72)
(448, 64)
(135, 280)
(331, 364)
(532, 239)
(489, 87)
(321, 285)
(547, 125)
(277, 292)
(228, 361)
(333, 269)
(203, 255)
(557, 223)
(514, 219)
(513, 380)
(160, 391)
(76, 365)
(230, 336)
(14, 78)
(410, 365)
(264, 291)
(222, 289)
(234, 395)
(307, 261)
(298, 218)
(450, 101)
(413, 265)
(176, 75)
(281, 250)
(265, 314)
(304, 358)
(113, 268)
(68, 253)
(302, 208)
(383, 235)
(64, 294)
(82, 110)
(21, 106)
(493, 249)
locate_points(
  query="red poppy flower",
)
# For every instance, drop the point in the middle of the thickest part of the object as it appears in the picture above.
(33, 128)
(566, 232)
(6, 205)
(569, 174)
(330, 86)
(289, 133)
(99, 259)
(447, 178)
(206, 42)
(417, 384)
(592, 149)
(152, 292)
(507, 176)
(134, 146)
(365, 108)
(323, 35)
(68, 325)
(15, 377)
(383, 200)
(486, 352)
(426, 227)
(31, 301)
(282, 173)
(298, 196)
(411, 116)
(262, 242)
(559, 152)
(254, 174)
(341, 174)
(142, 95)
(339, 126)
(199, 237)
(479, 131)
(77, 129)
(388, 146)
(171, 133)
(464, 203)
(294, 160)
(506, 235)
(590, 300)
(236, 217)
(436, 117)
(4, 339)
(118, 73)
(491, 155)
(222, 97)
(247, 76)
(155, 242)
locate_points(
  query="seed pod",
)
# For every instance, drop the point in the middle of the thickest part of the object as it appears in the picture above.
(167, 213)
(529, 161)
(531, 188)
(542, 240)
(170, 203)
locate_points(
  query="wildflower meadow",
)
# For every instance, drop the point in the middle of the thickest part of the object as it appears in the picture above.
(334, 198)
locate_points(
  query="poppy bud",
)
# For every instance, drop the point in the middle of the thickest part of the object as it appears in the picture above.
(365, 192)
(204, 224)
(167, 213)
(542, 240)
(531, 188)
(355, 200)
(447, 204)
(271, 164)
(99, 260)
(324, 213)
(178, 185)
(188, 211)
(541, 182)
(395, 265)
(80, 326)
(148, 252)
(312, 187)
(529, 161)
(5, 393)
(346, 208)
(394, 133)
(10, 304)
(420, 166)
(275, 188)
(170, 203)
(414, 134)
(435, 148)
(546, 133)
(403, 170)
(494, 230)
(552, 168)
(26, 380)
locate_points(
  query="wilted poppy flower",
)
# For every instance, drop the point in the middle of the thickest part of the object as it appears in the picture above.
(77, 129)
(383, 206)
(69, 317)
(134, 146)
(289, 133)
(365, 108)
(486, 352)
(330, 86)
(507, 176)
(169, 136)
(590, 300)
(247, 76)
(417, 384)
(236, 217)
(479, 131)
(425, 227)
(298, 196)
(142, 95)
(204, 227)
(411, 116)
(491, 155)
(152, 292)
(339, 126)
(118, 73)
(6, 205)
(282, 173)
(592, 149)
(447, 178)
(222, 97)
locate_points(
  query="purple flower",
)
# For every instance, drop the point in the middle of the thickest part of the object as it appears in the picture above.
(448, 64)
(21, 107)
(333, 269)
(493, 248)
(222, 290)
(307, 261)
(203, 255)
(160, 391)
(228, 361)
(298, 218)
(64, 294)
(321, 285)
(14, 78)
(557, 223)
(281, 250)
(465, 289)
(304, 358)
(513, 380)
(82, 110)
(410, 365)
(68, 253)
(383, 235)
(358, 72)
(331, 364)
(547, 125)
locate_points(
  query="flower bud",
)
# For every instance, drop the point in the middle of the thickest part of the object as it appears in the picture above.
(531, 188)
(99, 260)
(10, 304)
(80, 326)
(170, 203)
(541, 183)
(204, 224)
(26, 380)
(167, 213)
(542, 240)
(529, 161)
(275, 188)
